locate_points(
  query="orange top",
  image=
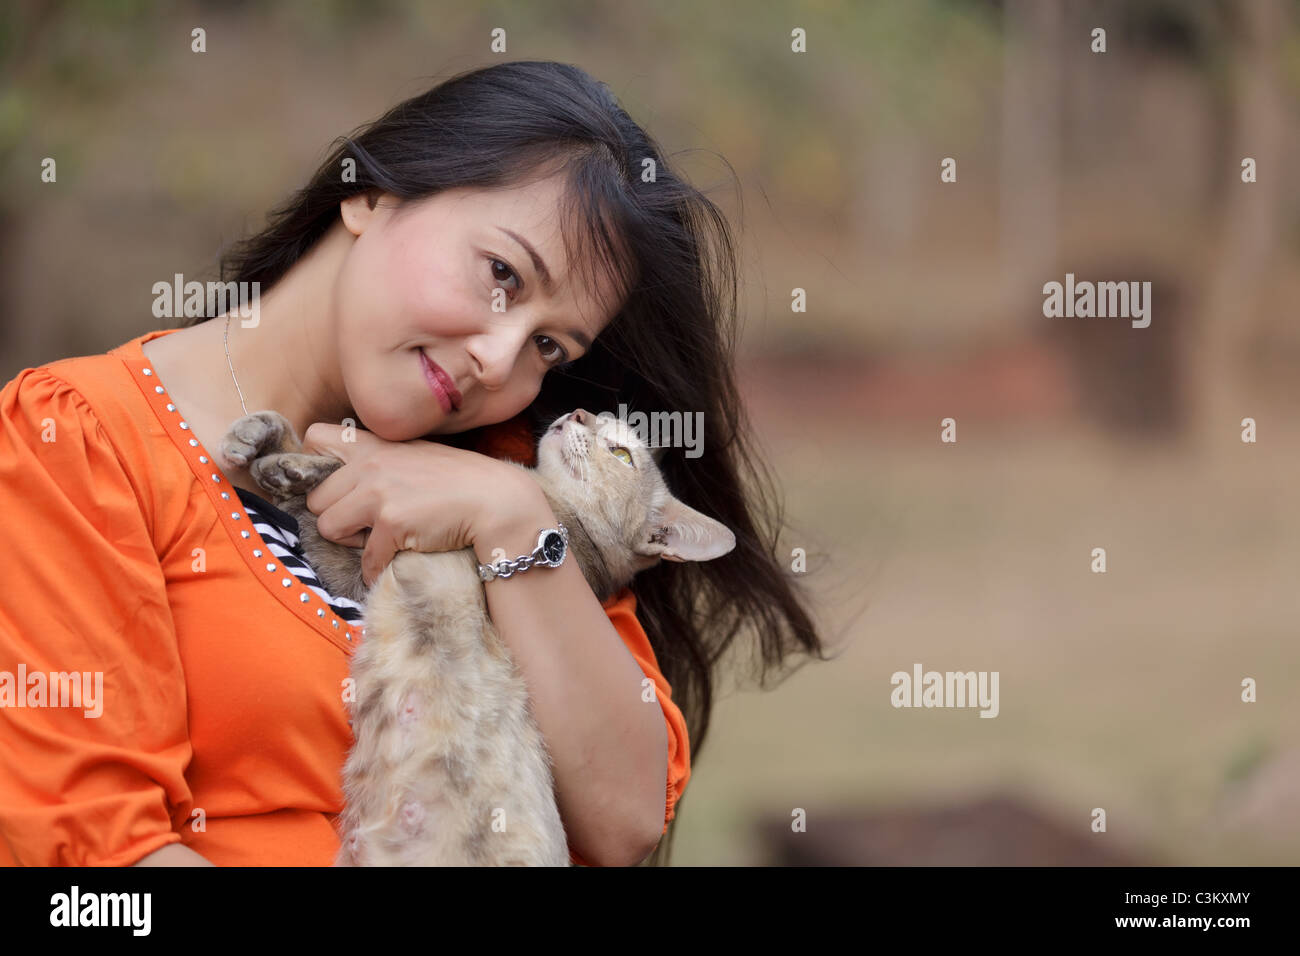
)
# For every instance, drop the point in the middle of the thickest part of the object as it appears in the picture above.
(127, 557)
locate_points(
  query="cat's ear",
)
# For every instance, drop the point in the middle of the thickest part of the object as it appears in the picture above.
(684, 534)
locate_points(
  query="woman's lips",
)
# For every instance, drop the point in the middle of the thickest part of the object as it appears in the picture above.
(440, 384)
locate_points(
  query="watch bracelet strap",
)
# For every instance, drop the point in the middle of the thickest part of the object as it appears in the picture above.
(505, 567)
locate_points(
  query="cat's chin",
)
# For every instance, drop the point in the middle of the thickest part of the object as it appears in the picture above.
(557, 470)
(558, 458)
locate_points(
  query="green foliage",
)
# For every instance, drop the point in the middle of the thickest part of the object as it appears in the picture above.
(1246, 759)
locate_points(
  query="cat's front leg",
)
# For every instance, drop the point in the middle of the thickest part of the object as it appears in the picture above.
(289, 474)
(289, 477)
(261, 433)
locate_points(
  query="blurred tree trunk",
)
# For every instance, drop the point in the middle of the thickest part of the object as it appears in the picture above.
(30, 27)
(1031, 146)
(1250, 233)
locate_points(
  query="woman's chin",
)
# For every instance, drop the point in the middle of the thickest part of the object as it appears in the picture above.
(390, 427)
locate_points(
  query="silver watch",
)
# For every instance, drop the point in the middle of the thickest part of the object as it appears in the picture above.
(552, 546)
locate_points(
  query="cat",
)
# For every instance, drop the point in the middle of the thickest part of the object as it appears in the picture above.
(449, 767)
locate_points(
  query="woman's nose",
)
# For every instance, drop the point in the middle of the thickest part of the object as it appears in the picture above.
(494, 355)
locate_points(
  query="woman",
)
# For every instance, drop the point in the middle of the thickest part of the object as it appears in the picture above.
(486, 256)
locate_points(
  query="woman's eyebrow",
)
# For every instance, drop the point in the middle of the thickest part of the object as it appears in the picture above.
(538, 264)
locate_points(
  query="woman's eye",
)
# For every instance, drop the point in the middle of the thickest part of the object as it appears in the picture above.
(621, 453)
(557, 355)
(510, 273)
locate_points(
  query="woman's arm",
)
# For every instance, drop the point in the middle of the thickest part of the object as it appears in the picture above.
(609, 745)
(85, 595)
(174, 854)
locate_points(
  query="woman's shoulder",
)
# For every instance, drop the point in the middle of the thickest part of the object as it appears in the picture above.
(100, 376)
(100, 391)
(82, 447)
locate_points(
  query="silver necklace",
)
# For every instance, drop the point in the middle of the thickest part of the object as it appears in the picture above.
(226, 339)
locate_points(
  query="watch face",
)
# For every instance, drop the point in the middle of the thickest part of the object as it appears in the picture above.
(553, 547)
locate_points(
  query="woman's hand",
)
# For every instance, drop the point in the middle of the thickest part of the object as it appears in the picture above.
(412, 496)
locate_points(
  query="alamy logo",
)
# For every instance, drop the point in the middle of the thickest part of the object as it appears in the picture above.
(178, 298)
(55, 689)
(1105, 300)
(949, 689)
(665, 429)
(75, 908)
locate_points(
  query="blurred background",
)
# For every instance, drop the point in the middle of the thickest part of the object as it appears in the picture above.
(1119, 690)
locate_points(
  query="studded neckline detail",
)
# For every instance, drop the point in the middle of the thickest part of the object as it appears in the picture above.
(308, 607)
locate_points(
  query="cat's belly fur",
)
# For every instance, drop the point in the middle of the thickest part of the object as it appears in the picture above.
(449, 767)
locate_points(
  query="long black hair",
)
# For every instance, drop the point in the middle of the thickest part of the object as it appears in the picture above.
(671, 254)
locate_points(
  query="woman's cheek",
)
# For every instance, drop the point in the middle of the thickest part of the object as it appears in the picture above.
(522, 400)
(366, 380)
(354, 385)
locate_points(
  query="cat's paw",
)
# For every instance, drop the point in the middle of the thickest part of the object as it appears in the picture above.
(292, 474)
(252, 436)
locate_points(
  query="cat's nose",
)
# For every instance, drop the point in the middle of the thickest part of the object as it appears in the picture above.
(581, 416)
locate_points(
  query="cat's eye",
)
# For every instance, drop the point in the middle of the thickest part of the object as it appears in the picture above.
(621, 453)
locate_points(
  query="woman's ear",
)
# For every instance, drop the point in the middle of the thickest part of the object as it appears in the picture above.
(359, 209)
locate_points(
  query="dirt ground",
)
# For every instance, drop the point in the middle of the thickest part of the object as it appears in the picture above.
(1119, 690)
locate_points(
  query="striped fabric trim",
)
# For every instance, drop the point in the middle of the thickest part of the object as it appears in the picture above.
(280, 532)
